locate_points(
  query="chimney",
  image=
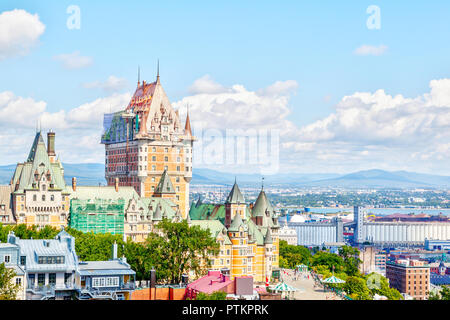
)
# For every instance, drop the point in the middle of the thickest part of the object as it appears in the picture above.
(51, 143)
(51, 146)
(153, 278)
(74, 184)
(114, 251)
(116, 184)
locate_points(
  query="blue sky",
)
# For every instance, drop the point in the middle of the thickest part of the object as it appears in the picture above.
(251, 43)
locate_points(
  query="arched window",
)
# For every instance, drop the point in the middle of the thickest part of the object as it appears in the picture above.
(52, 198)
(43, 197)
(34, 197)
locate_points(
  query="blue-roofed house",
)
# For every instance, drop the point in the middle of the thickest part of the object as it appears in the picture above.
(10, 256)
(50, 266)
(106, 280)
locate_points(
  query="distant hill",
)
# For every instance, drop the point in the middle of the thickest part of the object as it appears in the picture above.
(361, 179)
(86, 173)
(94, 173)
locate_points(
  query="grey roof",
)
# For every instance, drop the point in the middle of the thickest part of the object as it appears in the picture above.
(61, 246)
(165, 185)
(235, 195)
(38, 162)
(262, 204)
(157, 215)
(268, 238)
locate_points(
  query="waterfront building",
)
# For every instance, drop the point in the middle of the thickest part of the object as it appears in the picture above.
(10, 256)
(400, 230)
(248, 235)
(38, 187)
(318, 233)
(433, 245)
(411, 277)
(147, 139)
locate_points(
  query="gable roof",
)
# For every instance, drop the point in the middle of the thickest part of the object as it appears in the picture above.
(165, 184)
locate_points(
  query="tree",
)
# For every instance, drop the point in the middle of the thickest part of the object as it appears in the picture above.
(8, 289)
(179, 248)
(380, 285)
(328, 259)
(351, 259)
(218, 295)
(443, 294)
(95, 246)
(357, 289)
(291, 256)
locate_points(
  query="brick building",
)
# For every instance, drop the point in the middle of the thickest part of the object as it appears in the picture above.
(411, 277)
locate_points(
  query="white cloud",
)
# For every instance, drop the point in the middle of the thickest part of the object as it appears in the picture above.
(19, 32)
(74, 60)
(206, 85)
(78, 129)
(112, 84)
(368, 50)
(239, 108)
(366, 130)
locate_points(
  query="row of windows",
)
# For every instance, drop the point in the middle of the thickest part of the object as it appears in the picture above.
(105, 282)
(50, 259)
(52, 197)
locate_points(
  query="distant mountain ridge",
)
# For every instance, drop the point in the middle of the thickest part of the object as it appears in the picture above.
(94, 174)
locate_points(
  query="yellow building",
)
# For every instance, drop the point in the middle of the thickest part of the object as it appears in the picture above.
(37, 187)
(145, 140)
(248, 235)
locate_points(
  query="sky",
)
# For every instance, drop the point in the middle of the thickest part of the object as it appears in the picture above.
(338, 86)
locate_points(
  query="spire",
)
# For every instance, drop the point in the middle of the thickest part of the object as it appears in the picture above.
(262, 184)
(157, 73)
(268, 238)
(187, 127)
(139, 76)
(165, 184)
(235, 195)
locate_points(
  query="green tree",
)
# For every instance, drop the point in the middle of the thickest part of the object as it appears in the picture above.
(328, 259)
(357, 289)
(443, 294)
(291, 256)
(179, 248)
(218, 295)
(351, 259)
(8, 289)
(380, 285)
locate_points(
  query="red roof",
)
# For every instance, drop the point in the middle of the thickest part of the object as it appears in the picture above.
(213, 282)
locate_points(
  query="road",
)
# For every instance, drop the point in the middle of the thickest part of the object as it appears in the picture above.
(307, 289)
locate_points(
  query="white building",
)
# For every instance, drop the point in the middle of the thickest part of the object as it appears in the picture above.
(288, 234)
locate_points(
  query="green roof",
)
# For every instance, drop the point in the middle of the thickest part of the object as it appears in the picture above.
(236, 223)
(37, 165)
(207, 211)
(215, 227)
